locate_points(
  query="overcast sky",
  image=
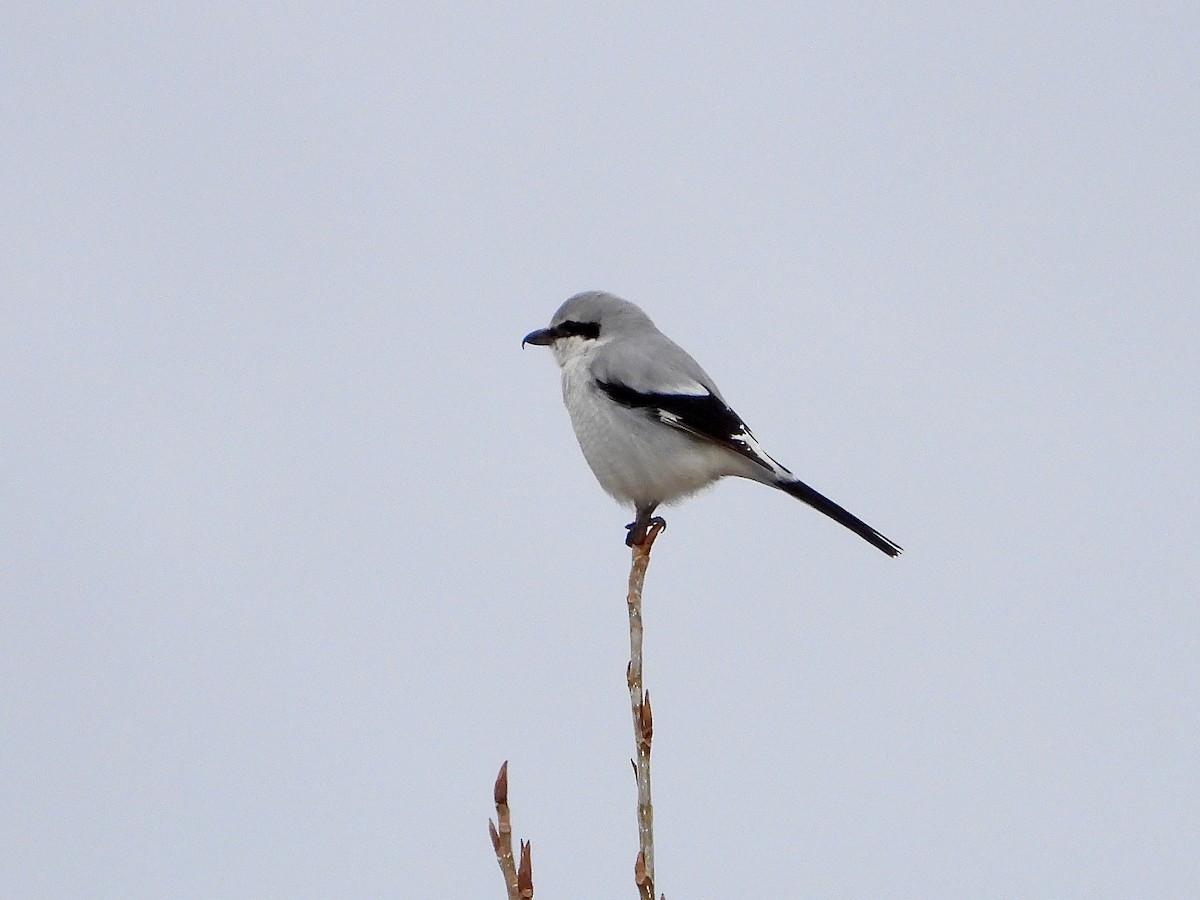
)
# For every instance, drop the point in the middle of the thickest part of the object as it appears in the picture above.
(296, 544)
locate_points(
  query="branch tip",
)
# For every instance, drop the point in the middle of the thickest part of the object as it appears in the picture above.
(500, 791)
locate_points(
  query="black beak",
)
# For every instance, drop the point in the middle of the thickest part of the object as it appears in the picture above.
(543, 337)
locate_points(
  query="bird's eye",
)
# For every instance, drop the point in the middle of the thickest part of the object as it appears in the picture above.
(586, 330)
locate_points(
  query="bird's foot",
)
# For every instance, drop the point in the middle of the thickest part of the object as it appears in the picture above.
(641, 529)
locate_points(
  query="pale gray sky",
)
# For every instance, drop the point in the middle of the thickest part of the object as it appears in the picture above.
(297, 545)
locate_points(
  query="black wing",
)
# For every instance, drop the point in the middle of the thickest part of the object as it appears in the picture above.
(702, 415)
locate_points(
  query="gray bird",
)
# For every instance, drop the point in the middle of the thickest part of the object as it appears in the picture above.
(651, 423)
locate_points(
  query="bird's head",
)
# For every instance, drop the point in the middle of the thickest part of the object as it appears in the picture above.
(588, 318)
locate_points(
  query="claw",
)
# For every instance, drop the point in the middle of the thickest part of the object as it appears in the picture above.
(640, 529)
(637, 533)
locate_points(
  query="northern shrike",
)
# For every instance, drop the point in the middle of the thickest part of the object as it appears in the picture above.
(651, 423)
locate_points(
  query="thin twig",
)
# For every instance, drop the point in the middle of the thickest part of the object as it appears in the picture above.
(643, 720)
(518, 880)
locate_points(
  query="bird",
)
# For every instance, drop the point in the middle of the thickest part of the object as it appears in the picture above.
(653, 426)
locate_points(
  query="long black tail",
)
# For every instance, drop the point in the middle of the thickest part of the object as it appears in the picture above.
(821, 503)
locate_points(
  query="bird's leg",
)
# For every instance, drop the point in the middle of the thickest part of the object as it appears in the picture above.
(640, 527)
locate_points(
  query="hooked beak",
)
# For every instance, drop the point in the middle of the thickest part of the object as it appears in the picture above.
(543, 337)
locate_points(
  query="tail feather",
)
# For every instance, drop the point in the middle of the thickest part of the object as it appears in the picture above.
(821, 503)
